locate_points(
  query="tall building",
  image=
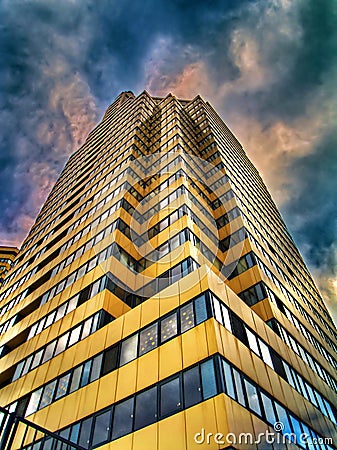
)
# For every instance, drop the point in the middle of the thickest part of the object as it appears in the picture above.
(159, 301)
(7, 255)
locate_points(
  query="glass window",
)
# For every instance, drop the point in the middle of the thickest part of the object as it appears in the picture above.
(85, 373)
(168, 327)
(60, 312)
(33, 402)
(74, 432)
(96, 367)
(94, 321)
(146, 408)
(62, 386)
(186, 317)
(228, 380)
(84, 438)
(86, 328)
(101, 428)
(49, 350)
(37, 359)
(74, 336)
(61, 343)
(282, 417)
(48, 393)
(50, 319)
(110, 360)
(296, 427)
(252, 342)
(253, 400)
(200, 309)
(148, 339)
(268, 409)
(266, 354)
(170, 397)
(129, 350)
(209, 388)
(192, 387)
(217, 310)
(75, 380)
(123, 418)
(226, 318)
(238, 385)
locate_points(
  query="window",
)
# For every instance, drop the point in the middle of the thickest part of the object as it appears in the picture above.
(129, 350)
(146, 408)
(96, 367)
(84, 438)
(62, 386)
(168, 327)
(61, 343)
(101, 428)
(268, 409)
(74, 336)
(110, 360)
(170, 397)
(75, 381)
(186, 317)
(48, 394)
(123, 418)
(252, 342)
(192, 387)
(34, 402)
(48, 353)
(238, 385)
(253, 400)
(229, 386)
(85, 373)
(148, 339)
(208, 379)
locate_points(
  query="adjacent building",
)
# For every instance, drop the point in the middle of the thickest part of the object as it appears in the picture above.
(159, 302)
(7, 255)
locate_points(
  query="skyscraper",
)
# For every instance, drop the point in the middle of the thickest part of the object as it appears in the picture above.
(159, 301)
(7, 255)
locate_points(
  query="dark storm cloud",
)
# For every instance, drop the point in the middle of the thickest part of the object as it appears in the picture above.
(61, 64)
(312, 210)
(267, 65)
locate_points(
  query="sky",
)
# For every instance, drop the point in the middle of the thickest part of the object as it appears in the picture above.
(269, 67)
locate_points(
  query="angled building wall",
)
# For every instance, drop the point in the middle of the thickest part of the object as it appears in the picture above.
(159, 299)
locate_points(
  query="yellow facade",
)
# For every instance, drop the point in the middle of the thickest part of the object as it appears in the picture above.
(152, 306)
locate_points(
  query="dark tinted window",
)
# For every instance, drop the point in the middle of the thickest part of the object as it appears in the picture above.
(170, 397)
(146, 408)
(101, 428)
(208, 379)
(122, 423)
(192, 387)
(110, 360)
(85, 433)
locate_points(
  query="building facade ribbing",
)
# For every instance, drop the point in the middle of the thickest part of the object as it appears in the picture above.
(159, 296)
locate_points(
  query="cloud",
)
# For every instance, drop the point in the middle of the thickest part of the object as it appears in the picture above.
(268, 66)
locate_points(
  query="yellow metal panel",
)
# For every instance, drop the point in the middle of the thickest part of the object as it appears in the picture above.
(168, 431)
(150, 311)
(189, 287)
(146, 438)
(106, 390)
(126, 380)
(131, 321)
(170, 358)
(148, 369)
(194, 345)
(200, 421)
